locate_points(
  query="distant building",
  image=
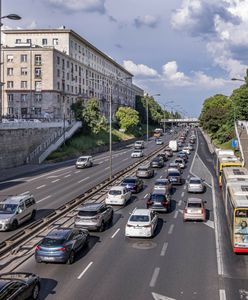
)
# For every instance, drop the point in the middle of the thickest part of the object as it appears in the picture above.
(44, 71)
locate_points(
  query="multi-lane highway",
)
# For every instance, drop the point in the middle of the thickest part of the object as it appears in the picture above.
(191, 260)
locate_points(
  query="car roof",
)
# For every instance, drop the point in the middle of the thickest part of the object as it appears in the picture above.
(117, 187)
(158, 192)
(173, 170)
(91, 206)
(85, 156)
(194, 200)
(61, 232)
(16, 199)
(130, 177)
(161, 180)
(195, 178)
(141, 212)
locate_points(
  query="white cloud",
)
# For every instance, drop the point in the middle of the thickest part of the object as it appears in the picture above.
(171, 74)
(80, 5)
(148, 20)
(139, 69)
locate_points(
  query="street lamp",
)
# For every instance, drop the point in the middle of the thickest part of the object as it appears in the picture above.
(147, 116)
(11, 17)
(164, 105)
(238, 79)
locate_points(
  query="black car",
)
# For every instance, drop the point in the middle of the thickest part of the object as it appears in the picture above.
(159, 201)
(133, 184)
(163, 155)
(183, 155)
(19, 285)
(61, 245)
(157, 162)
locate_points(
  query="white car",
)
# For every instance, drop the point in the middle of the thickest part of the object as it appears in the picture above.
(180, 162)
(141, 223)
(186, 150)
(137, 153)
(118, 195)
(159, 142)
(84, 162)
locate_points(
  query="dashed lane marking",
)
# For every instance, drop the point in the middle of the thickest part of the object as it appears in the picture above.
(182, 194)
(163, 251)
(77, 172)
(83, 179)
(184, 187)
(180, 202)
(176, 214)
(115, 233)
(222, 294)
(40, 187)
(154, 277)
(43, 199)
(171, 229)
(67, 176)
(145, 195)
(56, 180)
(85, 270)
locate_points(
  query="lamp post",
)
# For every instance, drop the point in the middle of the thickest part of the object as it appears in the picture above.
(11, 17)
(147, 116)
(164, 105)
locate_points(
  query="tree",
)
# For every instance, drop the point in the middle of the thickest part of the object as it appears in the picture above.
(77, 108)
(239, 100)
(127, 117)
(92, 117)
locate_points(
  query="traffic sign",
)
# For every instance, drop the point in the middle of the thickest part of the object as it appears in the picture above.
(234, 143)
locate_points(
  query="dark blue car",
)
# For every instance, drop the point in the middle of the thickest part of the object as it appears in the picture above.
(61, 245)
(133, 184)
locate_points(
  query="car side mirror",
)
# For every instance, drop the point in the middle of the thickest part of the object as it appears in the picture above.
(205, 201)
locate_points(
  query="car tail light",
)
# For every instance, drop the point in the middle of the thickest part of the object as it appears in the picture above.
(185, 210)
(149, 202)
(128, 225)
(165, 202)
(63, 249)
(202, 210)
(38, 248)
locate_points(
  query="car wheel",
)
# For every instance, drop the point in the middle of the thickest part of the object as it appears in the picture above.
(71, 258)
(35, 292)
(14, 225)
(33, 214)
(101, 228)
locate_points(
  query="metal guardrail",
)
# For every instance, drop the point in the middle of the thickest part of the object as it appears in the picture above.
(16, 242)
(30, 125)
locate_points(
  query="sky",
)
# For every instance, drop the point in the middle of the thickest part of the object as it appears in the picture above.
(184, 50)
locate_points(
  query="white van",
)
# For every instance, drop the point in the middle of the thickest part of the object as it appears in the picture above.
(173, 145)
(139, 145)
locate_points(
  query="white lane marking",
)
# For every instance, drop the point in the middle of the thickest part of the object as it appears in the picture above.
(161, 176)
(115, 233)
(77, 172)
(176, 214)
(161, 297)
(171, 229)
(47, 197)
(164, 249)
(154, 277)
(184, 187)
(40, 187)
(180, 202)
(106, 168)
(145, 195)
(125, 159)
(47, 174)
(56, 180)
(85, 270)
(25, 192)
(188, 176)
(222, 294)
(67, 176)
(83, 179)
(182, 194)
(209, 223)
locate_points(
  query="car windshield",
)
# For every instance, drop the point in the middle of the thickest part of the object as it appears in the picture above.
(173, 174)
(115, 192)
(52, 242)
(195, 181)
(161, 183)
(7, 208)
(137, 151)
(128, 180)
(137, 218)
(158, 197)
(194, 205)
(85, 213)
(142, 169)
(82, 159)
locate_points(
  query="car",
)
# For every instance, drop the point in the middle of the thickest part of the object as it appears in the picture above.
(180, 162)
(195, 185)
(157, 162)
(163, 184)
(61, 245)
(133, 183)
(186, 150)
(139, 145)
(145, 171)
(183, 155)
(19, 285)
(84, 162)
(164, 156)
(118, 195)
(137, 153)
(94, 216)
(159, 142)
(174, 176)
(15, 210)
(141, 223)
(168, 151)
(191, 147)
(173, 165)
(159, 201)
(194, 210)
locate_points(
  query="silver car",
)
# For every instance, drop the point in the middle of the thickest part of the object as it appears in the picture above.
(84, 162)
(195, 185)
(194, 210)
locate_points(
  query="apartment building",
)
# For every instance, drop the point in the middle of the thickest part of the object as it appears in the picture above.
(44, 71)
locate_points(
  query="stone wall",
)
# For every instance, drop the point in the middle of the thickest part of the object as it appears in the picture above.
(16, 144)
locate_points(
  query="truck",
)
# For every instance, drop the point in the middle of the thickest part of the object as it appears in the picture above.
(173, 145)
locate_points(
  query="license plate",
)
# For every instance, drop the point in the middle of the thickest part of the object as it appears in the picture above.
(49, 258)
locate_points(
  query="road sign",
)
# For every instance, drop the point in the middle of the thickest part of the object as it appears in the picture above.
(234, 143)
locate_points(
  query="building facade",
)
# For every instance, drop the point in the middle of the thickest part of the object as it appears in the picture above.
(45, 71)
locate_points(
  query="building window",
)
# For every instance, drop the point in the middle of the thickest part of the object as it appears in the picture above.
(18, 41)
(58, 72)
(24, 97)
(37, 111)
(58, 60)
(10, 71)
(24, 84)
(58, 85)
(37, 59)
(10, 97)
(44, 42)
(37, 72)
(38, 97)
(24, 58)
(10, 110)
(29, 41)
(10, 58)
(38, 86)
(24, 111)
(55, 42)
(24, 71)
(68, 64)
(10, 84)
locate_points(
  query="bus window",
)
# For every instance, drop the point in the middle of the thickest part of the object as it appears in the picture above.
(241, 227)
